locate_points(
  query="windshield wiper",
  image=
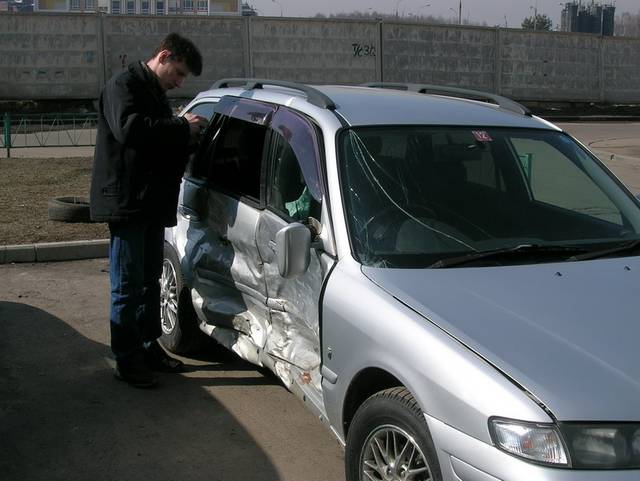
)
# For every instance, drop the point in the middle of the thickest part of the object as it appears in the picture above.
(519, 250)
(626, 247)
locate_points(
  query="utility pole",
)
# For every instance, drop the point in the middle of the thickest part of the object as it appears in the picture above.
(460, 13)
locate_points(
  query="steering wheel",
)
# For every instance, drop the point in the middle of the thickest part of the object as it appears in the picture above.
(383, 225)
(469, 227)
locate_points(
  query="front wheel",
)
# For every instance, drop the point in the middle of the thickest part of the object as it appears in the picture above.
(389, 440)
(180, 331)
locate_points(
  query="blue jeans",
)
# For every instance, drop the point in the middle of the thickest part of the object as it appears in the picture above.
(135, 266)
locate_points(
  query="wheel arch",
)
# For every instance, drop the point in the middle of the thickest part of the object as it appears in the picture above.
(366, 383)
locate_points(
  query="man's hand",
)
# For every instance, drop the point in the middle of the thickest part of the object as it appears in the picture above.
(197, 124)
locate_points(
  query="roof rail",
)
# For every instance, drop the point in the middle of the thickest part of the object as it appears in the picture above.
(502, 102)
(314, 96)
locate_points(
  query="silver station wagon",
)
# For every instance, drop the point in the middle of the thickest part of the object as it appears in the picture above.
(448, 282)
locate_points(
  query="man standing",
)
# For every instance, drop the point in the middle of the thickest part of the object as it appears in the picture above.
(140, 155)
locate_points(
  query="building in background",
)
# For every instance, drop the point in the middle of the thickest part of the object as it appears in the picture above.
(588, 18)
(248, 10)
(16, 5)
(142, 7)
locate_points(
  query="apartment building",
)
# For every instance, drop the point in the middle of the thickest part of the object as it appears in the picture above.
(142, 7)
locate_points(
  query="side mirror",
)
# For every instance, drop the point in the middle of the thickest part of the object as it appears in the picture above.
(293, 243)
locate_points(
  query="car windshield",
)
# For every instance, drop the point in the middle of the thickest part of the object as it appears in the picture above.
(418, 195)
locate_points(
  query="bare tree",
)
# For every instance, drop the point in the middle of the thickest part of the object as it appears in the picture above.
(374, 15)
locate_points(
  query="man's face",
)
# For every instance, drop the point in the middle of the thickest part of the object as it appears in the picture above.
(171, 72)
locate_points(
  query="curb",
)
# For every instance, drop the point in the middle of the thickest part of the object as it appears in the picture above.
(55, 251)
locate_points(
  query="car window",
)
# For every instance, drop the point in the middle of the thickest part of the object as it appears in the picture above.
(204, 109)
(293, 187)
(415, 195)
(232, 158)
(479, 164)
(288, 193)
(557, 180)
(304, 141)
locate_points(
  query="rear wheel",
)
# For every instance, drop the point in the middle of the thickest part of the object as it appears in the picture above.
(180, 331)
(389, 440)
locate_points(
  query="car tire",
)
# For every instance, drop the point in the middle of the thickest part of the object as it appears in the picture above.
(178, 320)
(69, 209)
(390, 415)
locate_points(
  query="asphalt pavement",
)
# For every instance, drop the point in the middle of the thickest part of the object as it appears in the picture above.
(63, 415)
(617, 144)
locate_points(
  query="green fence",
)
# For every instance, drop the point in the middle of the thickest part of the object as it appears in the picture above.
(48, 130)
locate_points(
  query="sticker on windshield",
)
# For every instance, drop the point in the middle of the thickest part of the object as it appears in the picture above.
(482, 136)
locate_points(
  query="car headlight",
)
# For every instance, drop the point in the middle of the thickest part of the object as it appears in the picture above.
(540, 443)
(574, 445)
(603, 446)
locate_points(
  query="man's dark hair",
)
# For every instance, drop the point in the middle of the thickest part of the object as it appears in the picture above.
(183, 50)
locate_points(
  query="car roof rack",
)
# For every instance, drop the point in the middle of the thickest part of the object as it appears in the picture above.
(314, 96)
(502, 102)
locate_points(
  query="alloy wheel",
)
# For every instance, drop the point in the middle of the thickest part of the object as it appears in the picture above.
(391, 454)
(168, 298)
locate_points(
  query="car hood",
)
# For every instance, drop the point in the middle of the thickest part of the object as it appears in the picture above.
(568, 333)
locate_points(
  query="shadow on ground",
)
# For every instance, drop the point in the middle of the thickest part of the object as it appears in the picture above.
(64, 417)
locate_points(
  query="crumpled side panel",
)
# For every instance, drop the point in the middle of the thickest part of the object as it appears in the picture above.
(293, 337)
(228, 282)
(293, 303)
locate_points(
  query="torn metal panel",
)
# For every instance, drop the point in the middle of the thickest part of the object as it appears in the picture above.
(228, 285)
(293, 304)
(235, 341)
(293, 342)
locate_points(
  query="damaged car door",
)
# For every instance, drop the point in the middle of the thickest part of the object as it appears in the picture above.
(294, 194)
(223, 199)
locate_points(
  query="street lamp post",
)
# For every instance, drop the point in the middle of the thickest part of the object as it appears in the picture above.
(420, 10)
(459, 12)
(279, 4)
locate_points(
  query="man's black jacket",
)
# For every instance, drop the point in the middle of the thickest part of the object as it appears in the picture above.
(141, 151)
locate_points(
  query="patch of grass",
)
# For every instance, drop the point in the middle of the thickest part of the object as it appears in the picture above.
(26, 185)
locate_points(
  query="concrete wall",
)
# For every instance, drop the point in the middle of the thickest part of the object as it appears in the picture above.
(621, 70)
(550, 66)
(442, 55)
(223, 42)
(314, 51)
(49, 56)
(70, 56)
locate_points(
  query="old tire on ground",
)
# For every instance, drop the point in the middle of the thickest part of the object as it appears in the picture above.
(69, 209)
(389, 439)
(180, 331)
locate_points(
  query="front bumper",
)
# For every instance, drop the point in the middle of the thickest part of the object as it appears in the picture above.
(464, 458)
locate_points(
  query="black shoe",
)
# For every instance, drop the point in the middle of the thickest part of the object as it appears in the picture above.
(158, 360)
(135, 372)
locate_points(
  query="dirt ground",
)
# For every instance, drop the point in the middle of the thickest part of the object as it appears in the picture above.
(26, 185)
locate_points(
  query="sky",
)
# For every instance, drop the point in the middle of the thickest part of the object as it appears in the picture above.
(493, 12)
